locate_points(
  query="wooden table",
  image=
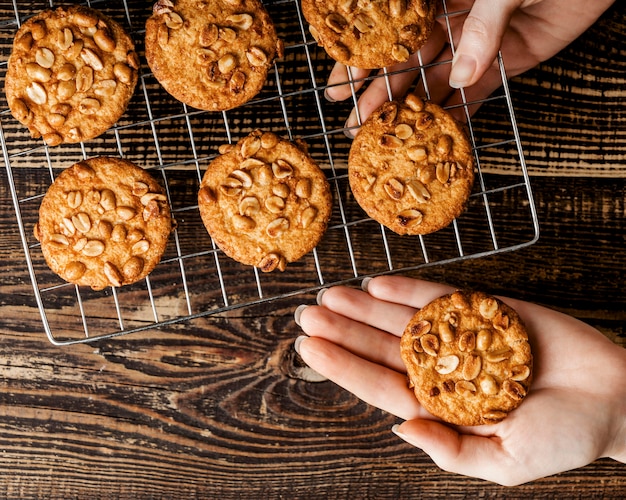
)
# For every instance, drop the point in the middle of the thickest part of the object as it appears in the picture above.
(220, 407)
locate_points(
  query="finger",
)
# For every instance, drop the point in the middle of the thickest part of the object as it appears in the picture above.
(397, 82)
(401, 78)
(471, 455)
(382, 89)
(375, 384)
(435, 86)
(407, 291)
(362, 340)
(388, 316)
(480, 41)
(460, 104)
(340, 75)
(462, 107)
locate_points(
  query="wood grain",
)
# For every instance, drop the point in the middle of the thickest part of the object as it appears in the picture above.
(219, 407)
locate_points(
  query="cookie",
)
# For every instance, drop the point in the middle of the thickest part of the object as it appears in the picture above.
(71, 74)
(265, 202)
(411, 166)
(468, 358)
(212, 55)
(370, 34)
(103, 222)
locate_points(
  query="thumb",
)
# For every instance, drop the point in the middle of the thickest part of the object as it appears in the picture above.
(466, 454)
(480, 41)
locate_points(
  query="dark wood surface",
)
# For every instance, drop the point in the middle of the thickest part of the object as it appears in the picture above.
(220, 407)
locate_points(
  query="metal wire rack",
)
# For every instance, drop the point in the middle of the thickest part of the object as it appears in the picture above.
(195, 279)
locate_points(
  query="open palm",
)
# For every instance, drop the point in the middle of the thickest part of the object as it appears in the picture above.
(574, 413)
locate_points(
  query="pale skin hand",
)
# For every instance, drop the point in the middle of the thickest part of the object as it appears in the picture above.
(528, 32)
(574, 413)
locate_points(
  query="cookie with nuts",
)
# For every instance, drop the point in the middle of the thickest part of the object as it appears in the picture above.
(411, 166)
(468, 358)
(103, 222)
(264, 201)
(71, 74)
(212, 55)
(370, 34)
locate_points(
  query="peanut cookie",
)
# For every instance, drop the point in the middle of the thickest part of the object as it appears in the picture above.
(368, 34)
(468, 358)
(103, 222)
(265, 202)
(71, 74)
(212, 55)
(411, 166)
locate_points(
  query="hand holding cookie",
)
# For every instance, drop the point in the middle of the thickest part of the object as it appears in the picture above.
(526, 32)
(574, 413)
(468, 358)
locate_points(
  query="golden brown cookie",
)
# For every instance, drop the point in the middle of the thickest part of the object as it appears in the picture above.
(103, 222)
(71, 74)
(265, 202)
(468, 358)
(411, 166)
(370, 34)
(212, 55)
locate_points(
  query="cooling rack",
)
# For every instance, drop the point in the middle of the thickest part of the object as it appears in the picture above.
(195, 279)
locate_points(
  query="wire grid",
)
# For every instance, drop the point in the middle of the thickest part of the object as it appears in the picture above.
(195, 279)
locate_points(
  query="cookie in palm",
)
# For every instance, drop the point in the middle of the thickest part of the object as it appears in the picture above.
(265, 201)
(468, 358)
(71, 74)
(367, 34)
(411, 166)
(212, 55)
(103, 222)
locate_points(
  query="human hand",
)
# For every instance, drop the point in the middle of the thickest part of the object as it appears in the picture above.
(574, 413)
(526, 31)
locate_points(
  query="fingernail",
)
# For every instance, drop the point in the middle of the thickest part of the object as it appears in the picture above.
(297, 342)
(463, 68)
(395, 429)
(348, 132)
(298, 312)
(365, 283)
(318, 299)
(327, 96)
(351, 125)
